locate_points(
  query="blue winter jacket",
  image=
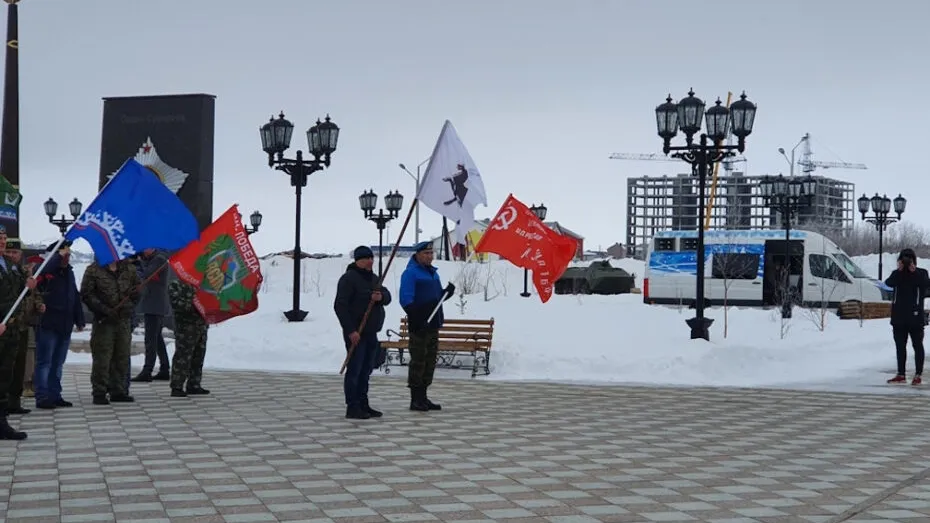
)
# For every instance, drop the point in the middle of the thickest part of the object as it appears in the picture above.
(63, 307)
(420, 291)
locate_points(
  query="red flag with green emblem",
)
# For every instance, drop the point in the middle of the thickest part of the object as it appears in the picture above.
(224, 268)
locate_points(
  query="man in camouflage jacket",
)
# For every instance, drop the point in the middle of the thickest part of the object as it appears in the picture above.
(190, 341)
(11, 285)
(20, 324)
(111, 293)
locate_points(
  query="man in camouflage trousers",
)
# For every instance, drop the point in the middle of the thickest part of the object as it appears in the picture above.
(20, 324)
(11, 285)
(111, 293)
(190, 341)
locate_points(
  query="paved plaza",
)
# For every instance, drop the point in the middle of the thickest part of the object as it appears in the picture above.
(275, 447)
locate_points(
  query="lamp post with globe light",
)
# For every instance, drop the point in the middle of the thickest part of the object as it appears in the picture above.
(51, 209)
(321, 139)
(255, 219)
(686, 115)
(540, 212)
(881, 206)
(787, 196)
(393, 202)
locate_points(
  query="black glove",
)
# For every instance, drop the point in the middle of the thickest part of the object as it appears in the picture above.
(450, 289)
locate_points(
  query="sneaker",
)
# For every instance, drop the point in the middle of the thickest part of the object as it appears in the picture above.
(916, 381)
(899, 379)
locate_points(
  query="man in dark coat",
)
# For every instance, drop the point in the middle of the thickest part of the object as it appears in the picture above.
(63, 312)
(911, 285)
(155, 307)
(358, 287)
(421, 292)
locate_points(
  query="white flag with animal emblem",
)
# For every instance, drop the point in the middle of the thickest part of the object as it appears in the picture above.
(452, 184)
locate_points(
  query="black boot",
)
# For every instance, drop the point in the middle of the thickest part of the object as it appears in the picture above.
(18, 409)
(7, 432)
(163, 375)
(430, 404)
(357, 413)
(142, 377)
(418, 399)
(101, 399)
(197, 391)
(372, 412)
(178, 393)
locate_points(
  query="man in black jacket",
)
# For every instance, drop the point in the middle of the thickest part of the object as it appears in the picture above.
(910, 285)
(358, 287)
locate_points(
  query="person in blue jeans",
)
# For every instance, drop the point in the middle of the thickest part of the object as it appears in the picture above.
(357, 288)
(63, 312)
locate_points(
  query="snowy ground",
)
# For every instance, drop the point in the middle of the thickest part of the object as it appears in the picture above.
(596, 339)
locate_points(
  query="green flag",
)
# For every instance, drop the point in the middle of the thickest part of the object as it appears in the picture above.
(11, 195)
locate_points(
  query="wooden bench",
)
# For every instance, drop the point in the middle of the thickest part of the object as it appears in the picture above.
(855, 310)
(458, 339)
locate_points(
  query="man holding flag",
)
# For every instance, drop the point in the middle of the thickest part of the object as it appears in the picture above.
(11, 285)
(134, 211)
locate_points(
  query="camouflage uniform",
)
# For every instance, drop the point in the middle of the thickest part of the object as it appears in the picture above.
(20, 324)
(190, 340)
(112, 296)
(11, 285)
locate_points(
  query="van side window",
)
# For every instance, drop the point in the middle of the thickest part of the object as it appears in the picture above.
(824, 267)
(665, 244)
(734, 266)
(689, 244)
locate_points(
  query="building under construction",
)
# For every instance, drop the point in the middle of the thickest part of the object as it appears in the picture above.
(661, 203)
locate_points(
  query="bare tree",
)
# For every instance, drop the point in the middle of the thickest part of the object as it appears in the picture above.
(729, 263)
(827, 274)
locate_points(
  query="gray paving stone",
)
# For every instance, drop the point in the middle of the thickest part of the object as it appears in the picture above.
(249, 453)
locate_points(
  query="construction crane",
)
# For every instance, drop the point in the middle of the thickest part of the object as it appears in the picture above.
(659, 157)
(807, 162)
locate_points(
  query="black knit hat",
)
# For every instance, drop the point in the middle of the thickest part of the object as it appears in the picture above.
(361, 252)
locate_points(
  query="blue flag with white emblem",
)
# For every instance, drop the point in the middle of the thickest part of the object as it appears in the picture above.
(133, 212)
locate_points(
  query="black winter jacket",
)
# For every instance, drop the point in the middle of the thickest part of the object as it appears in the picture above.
(910, 289)
(353, 292)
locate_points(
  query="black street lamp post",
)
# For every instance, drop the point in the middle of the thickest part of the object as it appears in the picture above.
(788, 196)
(687, 115)
(540, 212)
(881, 206)
(321, 139)
(393, 202)
(51, 209)
(256, 220)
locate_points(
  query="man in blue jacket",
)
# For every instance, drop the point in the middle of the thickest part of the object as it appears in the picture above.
(421, 292)
(63, 311)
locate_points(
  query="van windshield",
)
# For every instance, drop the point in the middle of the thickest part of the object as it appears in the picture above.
(849, 265)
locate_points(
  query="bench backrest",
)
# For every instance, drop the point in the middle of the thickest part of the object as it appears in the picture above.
(460, 332)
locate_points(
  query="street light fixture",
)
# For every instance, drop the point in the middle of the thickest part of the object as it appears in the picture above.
(51, 209)
(686, 116)
(540, 212)
(788, 196)
(393, 202)
(881, 206)
(416, 178)
(255, 219)
(321, 140)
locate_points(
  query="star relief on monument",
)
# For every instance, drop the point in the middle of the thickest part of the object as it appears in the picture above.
(172, 177)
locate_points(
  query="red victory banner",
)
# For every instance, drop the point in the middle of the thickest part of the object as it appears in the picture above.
(518, 236)
(224, 268)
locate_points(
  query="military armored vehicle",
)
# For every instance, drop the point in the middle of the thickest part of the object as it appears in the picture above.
(597, 278)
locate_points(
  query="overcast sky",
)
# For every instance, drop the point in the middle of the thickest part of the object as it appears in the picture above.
(541, 92)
